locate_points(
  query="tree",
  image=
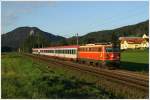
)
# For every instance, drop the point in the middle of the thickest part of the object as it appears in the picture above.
(115, 41)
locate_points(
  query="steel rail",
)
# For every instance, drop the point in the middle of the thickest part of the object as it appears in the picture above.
(117, 77)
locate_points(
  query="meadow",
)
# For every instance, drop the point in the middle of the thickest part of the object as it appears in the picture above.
(135, 60)
(24, 77)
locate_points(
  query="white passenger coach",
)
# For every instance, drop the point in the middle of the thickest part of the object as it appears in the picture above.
(60, 51)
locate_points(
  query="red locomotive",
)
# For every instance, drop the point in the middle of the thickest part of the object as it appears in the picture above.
(91, 53)
(99, 54)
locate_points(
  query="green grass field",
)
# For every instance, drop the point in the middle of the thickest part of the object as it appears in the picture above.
(135, 60)
(23, 77)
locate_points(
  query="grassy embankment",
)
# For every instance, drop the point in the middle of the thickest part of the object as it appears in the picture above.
(135, 60)
(23, 77)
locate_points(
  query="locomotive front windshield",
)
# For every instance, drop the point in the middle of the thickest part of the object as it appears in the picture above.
(112, 50)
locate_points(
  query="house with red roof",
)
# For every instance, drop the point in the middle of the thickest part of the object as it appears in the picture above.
(134, 42)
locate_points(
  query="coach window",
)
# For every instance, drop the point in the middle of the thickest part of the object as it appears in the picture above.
(75, 51)
(63, 51)
(55, 51)
(70, 51)
(67, 51)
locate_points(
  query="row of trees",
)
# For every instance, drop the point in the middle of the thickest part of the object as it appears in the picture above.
(34, 41)
(38, 41)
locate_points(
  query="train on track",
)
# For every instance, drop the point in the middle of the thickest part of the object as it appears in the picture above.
(93, 54)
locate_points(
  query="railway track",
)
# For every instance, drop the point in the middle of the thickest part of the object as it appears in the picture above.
(127, 78)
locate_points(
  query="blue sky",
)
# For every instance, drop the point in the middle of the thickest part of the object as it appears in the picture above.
(68, 18)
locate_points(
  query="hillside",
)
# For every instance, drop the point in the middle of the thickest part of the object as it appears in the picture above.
(20, 36)
(33, 37)
(106, 35)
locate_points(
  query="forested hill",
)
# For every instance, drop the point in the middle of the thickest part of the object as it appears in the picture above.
(25, 37)
(106, 35)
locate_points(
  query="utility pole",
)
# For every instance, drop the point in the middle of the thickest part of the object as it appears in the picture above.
(77, 45)
(77, 40)
(38, 42)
